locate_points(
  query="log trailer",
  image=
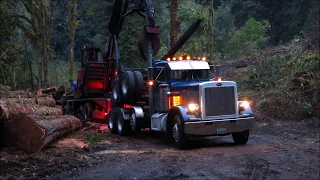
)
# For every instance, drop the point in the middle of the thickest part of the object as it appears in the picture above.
(182, 97)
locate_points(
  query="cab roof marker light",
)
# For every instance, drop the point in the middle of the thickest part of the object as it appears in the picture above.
(204, 59)
(188, 57)
(174, 58)
(168, 59)
(180, 58)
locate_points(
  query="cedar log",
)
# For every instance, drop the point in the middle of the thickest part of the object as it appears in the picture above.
(33, 133)
(17, 94)
(49, 90)
(9, 107)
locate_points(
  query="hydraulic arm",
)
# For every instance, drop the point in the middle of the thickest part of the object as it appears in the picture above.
(150, 36)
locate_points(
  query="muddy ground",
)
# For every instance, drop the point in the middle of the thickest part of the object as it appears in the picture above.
(276, 150)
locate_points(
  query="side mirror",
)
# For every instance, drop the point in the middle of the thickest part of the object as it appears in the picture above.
(215, 70)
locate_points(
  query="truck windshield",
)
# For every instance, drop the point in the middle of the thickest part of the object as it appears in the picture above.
(188, 75)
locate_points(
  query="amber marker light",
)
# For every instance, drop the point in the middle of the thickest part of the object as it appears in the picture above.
(204, 58)
(150, 83)
(174, 101)
(180, 58)
(188, 57)
(168, 59)
(174, 58)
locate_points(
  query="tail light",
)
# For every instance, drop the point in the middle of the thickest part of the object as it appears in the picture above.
(95, 85)
(174, 101)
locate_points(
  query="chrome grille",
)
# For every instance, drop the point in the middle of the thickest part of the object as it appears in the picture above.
(219, 101)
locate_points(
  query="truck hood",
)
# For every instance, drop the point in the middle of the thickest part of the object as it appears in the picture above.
(181, 85)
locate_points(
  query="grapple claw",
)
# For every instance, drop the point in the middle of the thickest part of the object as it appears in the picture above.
(150, 36)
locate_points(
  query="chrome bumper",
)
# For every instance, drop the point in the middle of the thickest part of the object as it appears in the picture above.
(218, 127)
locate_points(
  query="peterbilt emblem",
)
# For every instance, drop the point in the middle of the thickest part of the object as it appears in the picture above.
(219, 84)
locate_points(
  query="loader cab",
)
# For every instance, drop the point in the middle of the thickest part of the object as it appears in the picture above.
(91, 77)
(91, 54)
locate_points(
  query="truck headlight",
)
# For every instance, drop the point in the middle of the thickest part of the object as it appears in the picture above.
(243, 105)
(193, 107)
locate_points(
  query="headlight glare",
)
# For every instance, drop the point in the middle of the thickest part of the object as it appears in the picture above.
(244, 104)
(193, 107)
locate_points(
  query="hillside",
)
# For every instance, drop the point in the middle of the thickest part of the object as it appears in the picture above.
(281, 81)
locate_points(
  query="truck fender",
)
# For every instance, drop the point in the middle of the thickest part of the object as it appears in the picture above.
(181, 110)
(138, 111)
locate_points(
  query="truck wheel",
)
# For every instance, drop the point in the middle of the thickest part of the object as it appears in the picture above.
(139, 84)
(123, 126)
(127, 86)
(134, 122)
(115, 96)
(241, 137)
(179, 138)
(112, 125)
(88, 111)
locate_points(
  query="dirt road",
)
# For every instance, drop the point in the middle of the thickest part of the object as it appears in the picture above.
(276, 150)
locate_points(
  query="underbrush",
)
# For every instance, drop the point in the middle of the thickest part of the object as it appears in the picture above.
(284, 82)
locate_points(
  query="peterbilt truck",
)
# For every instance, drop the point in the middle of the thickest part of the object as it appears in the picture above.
(181, 96)
(185, 100)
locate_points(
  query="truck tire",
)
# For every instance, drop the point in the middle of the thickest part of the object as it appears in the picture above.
(135, 123)
(88, 111)
(241, 137)
(123, 127)
(139, 84)
(180, 140)
(128, 86)
(115, 96)
(112, 124)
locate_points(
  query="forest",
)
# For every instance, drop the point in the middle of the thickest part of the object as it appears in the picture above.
(40, 41)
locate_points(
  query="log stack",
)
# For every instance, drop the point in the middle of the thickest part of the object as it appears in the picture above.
(31, 120)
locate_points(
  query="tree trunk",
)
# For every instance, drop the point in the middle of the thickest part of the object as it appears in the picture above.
(33, 133)
(73, 23)
(174, 22)
(40, 65)
(210, 43)
(2, 76)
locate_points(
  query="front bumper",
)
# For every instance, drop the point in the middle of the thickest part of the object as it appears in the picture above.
(217, 127)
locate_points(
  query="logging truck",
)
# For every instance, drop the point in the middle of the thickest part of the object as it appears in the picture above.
(181, 96)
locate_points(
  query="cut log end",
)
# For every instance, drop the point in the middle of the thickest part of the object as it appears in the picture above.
(33, 133)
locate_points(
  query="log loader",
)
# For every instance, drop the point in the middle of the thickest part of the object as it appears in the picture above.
(181, 96)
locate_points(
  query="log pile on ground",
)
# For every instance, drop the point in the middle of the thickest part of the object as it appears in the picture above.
(31, 120)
